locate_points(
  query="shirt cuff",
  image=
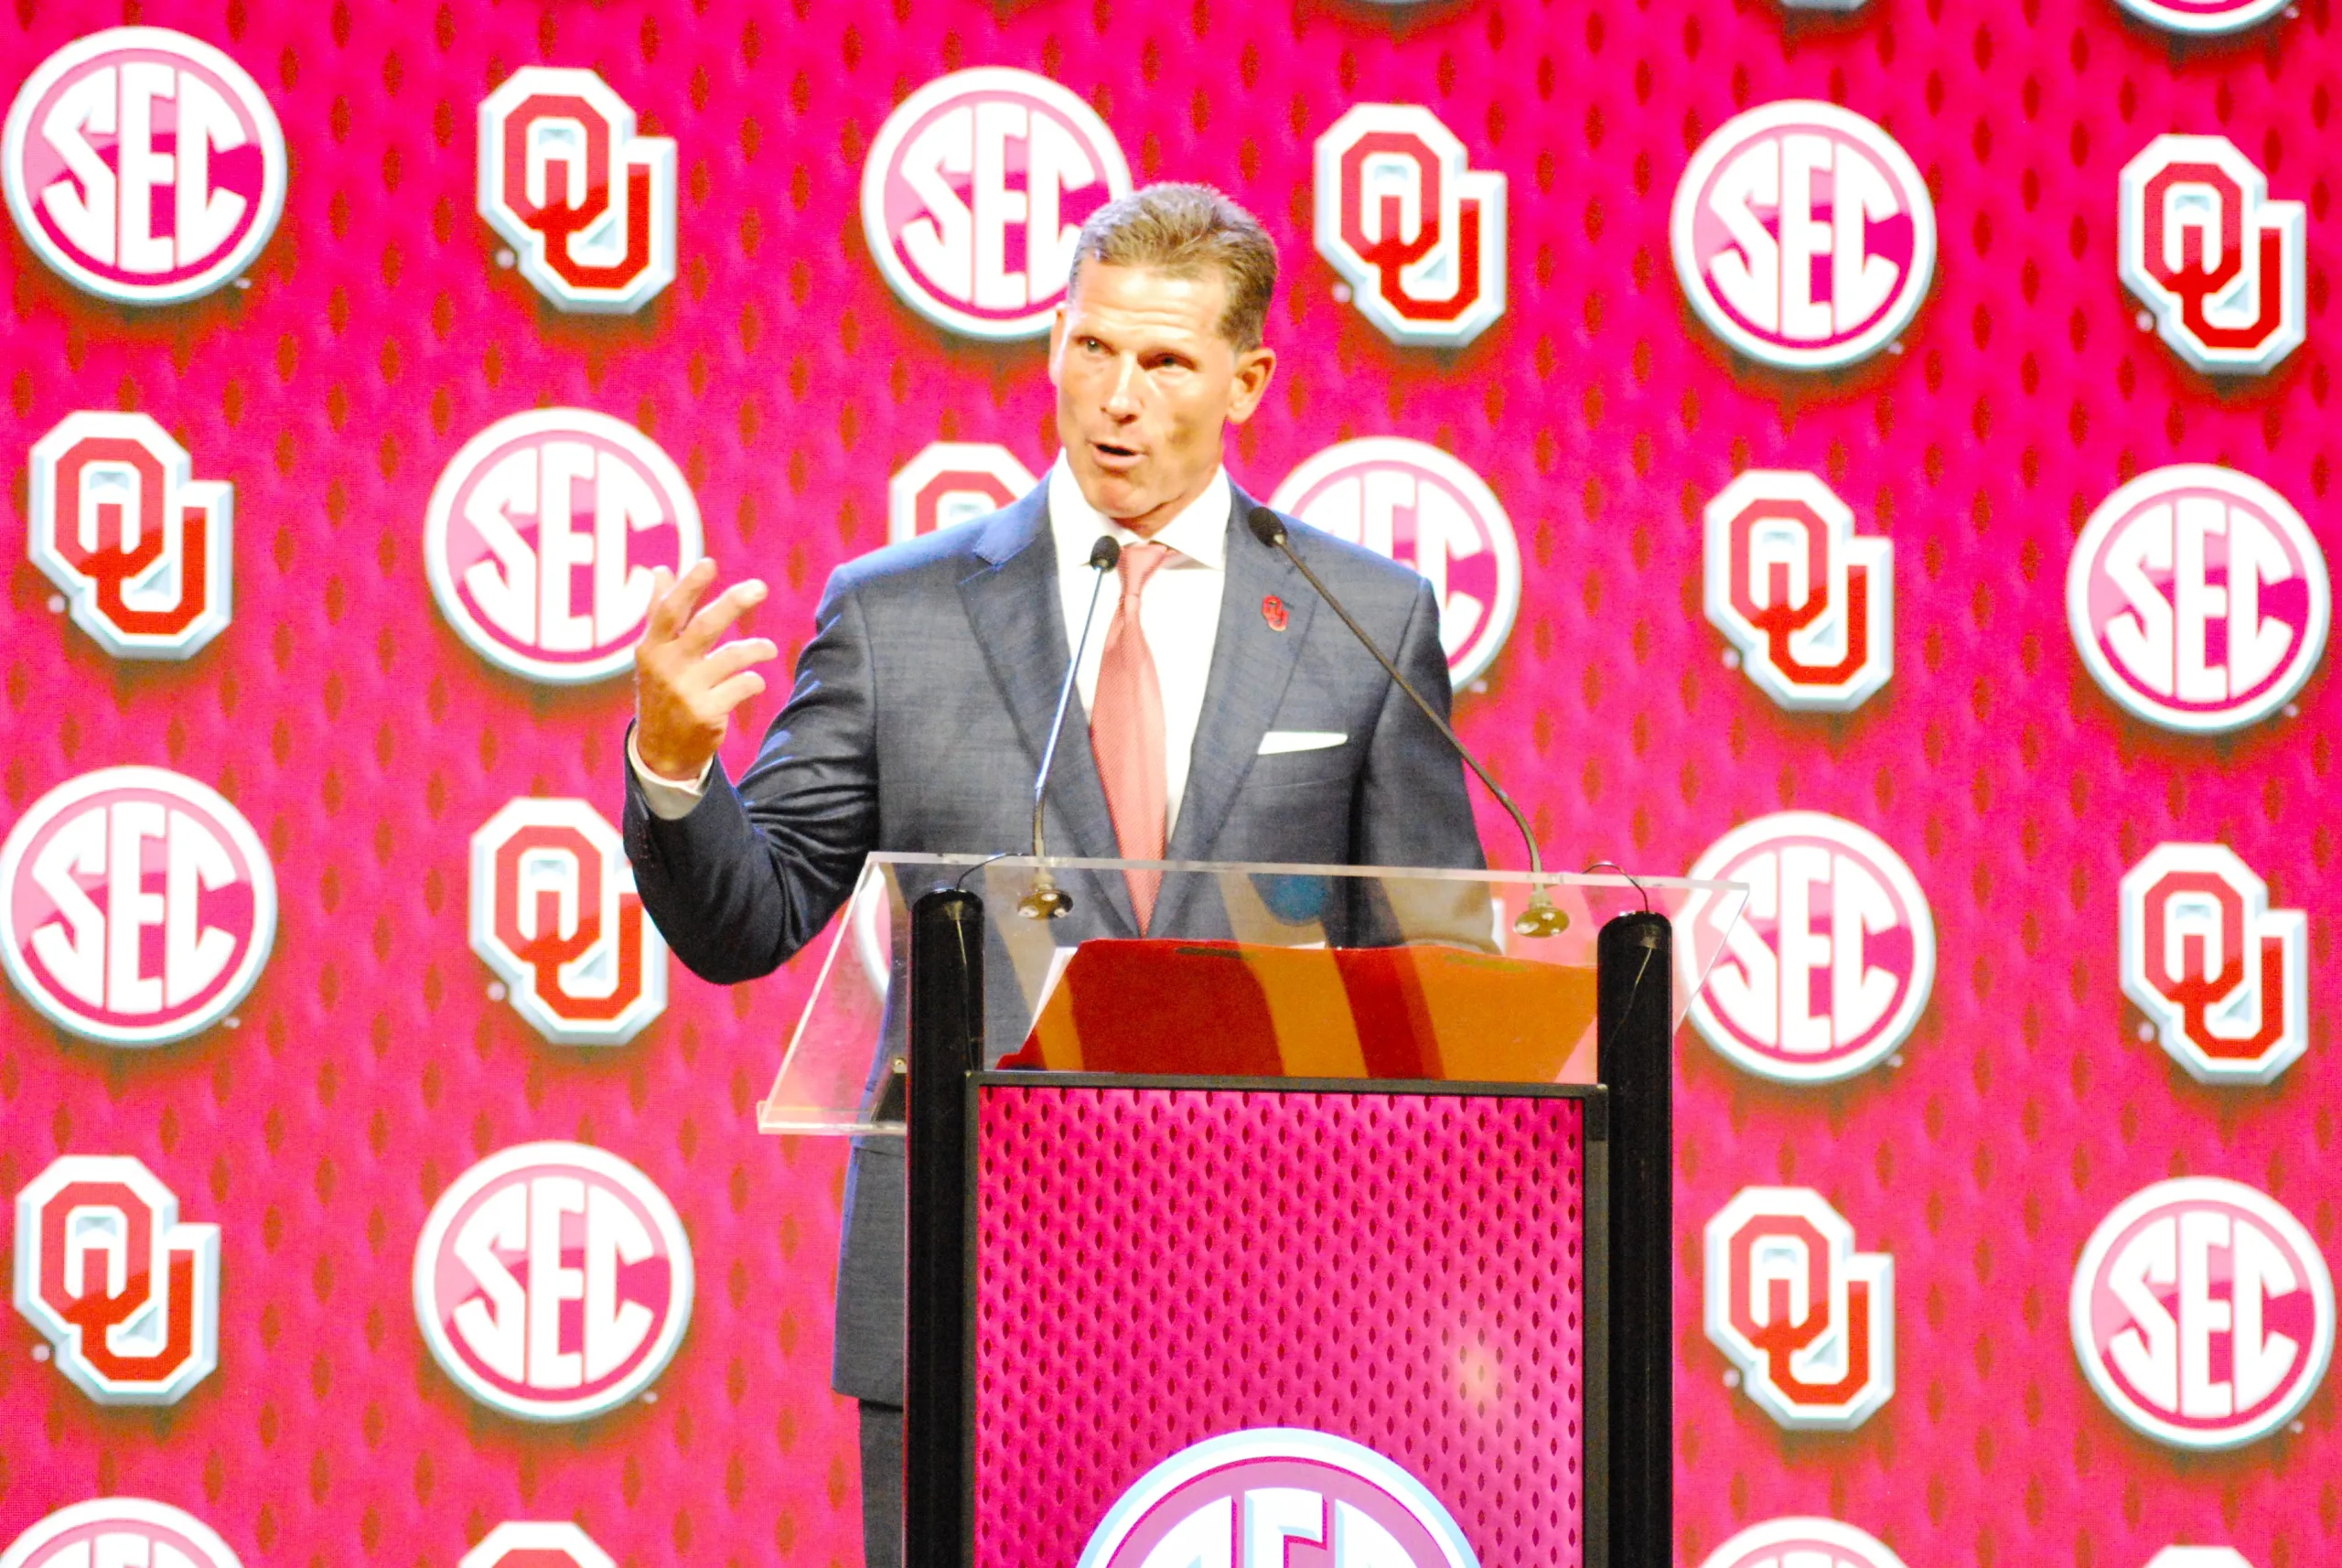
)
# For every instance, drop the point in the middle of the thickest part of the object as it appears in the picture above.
(668, 799)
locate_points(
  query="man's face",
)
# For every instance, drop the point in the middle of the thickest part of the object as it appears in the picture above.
(1145, 384)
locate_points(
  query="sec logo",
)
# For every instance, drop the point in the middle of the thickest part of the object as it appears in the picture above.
(1422, 508)
(541, 535)
(1809, 1321)
(127, 1297)
(140, 907)
(2202, 1312)
(555, 913)
(2224, 977)
(142, 549)
(552, 1282)
(1830, 964)
(973, 194)
(951, 481)
(1801, 1543)
(1245, 1499)
(536, 1545)
(143, 165)
(588, 206)
(2198, 598)
(1417, 234)
(2221, 266)
(2203, 16)
(1804, 236)
(119, 1530)
(1809, 604)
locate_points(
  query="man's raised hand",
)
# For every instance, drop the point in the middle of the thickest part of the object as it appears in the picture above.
(685, 685)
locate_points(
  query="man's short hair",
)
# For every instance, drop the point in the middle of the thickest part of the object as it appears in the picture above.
(1186, 231)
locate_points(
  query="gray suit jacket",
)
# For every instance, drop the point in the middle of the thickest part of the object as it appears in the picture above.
(915, 725)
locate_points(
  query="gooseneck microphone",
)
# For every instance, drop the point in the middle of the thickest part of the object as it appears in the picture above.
(1045, 900)
(1543, 917)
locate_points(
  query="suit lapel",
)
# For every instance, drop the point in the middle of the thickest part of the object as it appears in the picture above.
(1250, 663)
(1013, 604)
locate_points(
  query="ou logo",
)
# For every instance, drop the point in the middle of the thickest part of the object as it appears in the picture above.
(2198, 598)
(1809, 604)
(1243, 1499)
(2221, 266)
(1809, 1321)
(974, 192)
(952, 481)
(2224, 977)
(552, 1282)
(1802, 235)
(139, 907)
(1829, 966)
(2202, 1312)
(586, 205)
(1417, 234)
(1418, 506)
(554, 913)
(1794, 1542)
(534, 1544)
(130, 1531)
(128, 1297)
(541, 538)
(142, 549)
(143, 165)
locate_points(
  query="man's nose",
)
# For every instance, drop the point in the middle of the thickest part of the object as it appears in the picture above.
(1122, 397)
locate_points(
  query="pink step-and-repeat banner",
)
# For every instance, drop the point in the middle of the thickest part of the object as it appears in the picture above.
(1876, 452)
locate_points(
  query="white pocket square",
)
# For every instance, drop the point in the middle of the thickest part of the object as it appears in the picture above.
(1279, 741)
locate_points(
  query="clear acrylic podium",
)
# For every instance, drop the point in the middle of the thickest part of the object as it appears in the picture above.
(1137, 1166)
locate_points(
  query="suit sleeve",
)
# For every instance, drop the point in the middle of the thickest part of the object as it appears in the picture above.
(1413, 806)
(755, 870)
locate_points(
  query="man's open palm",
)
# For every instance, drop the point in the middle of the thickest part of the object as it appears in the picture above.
(685, 685)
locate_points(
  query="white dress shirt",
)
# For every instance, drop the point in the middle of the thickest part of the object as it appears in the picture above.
(1179, 613)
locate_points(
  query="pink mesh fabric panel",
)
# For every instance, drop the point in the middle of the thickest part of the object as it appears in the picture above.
(1160, 1266)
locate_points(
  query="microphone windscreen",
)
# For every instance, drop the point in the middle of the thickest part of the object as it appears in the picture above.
(1105, 553)
(1265, 525)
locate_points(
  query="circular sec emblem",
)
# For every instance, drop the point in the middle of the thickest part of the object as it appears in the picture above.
(974, 192)
(143, 165)
(552, 1282)
(1801, 1543)
(119, 1529)
(1286, 1485)
(140, 907)
(1422, 508)
(2204, 16)
(2203, 1312)
(1831, 963)
(1802, 235)
(541, 535)
(2198, 598)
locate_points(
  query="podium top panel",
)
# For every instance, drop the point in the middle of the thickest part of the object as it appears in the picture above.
(1244, 970)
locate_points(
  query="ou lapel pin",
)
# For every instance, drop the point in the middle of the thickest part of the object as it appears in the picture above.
(1273, 610)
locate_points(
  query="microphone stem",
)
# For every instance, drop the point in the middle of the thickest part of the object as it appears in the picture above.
(1065, 696)
(1536, 861)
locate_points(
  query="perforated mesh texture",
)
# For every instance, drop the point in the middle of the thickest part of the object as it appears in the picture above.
(365, 743)
(1157, 1267)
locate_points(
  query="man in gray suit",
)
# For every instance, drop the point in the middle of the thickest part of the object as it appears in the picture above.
(1231, 717)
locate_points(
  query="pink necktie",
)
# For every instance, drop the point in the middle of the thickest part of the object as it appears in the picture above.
(1126, 730)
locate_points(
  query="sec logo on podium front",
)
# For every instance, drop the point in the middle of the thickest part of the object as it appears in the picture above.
(1804, 236)
(1832, 963)
(973, 192)
(1245, 1499)
(2198, 598)
(2202, 1312)
(129, 1531)
(552, 1282)
(541, 538)
(2224, 977)
(556, 915)
(136, 907)
(143, 165)
(1794, 1542)
(588, 206)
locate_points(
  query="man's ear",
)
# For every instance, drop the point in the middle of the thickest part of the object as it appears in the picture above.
(1255, 367)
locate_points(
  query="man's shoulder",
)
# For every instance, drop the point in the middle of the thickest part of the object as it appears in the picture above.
(944, 559)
